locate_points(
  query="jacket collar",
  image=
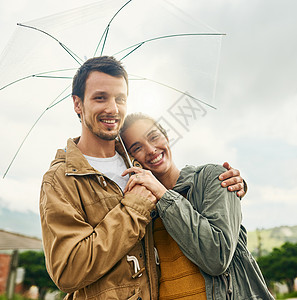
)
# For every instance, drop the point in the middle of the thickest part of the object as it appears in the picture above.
(76, 163)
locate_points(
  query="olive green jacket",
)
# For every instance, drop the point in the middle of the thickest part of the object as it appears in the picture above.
(207, 227)
(98, 243)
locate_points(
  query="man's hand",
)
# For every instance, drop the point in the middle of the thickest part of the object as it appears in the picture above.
(143, 192)
(233, 180)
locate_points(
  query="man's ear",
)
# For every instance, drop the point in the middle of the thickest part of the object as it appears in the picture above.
(77, 104)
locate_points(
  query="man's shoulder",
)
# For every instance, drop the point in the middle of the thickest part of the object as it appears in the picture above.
(57, 167)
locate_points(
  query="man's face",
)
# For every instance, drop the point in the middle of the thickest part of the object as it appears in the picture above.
(104, 107)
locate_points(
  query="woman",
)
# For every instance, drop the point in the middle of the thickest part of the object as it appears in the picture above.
(199, 237)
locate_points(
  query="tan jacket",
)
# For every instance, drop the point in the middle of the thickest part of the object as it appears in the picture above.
(94, 236)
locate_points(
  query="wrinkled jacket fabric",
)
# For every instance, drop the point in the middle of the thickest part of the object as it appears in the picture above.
(98, 243)
(207, 227)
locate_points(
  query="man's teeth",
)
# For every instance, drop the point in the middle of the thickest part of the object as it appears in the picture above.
(157, 159)
(109, 121)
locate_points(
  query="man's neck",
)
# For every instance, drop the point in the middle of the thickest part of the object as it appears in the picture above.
(91, 145)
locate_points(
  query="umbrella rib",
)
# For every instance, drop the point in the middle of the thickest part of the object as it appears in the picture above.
(71, 53)
(38, 75)
(132, 51)
(137, 45)
(104, 40)
(21, 145)
(13, 82)
(55, 77)
(50, 106)
(175, 89)
(107, 29)
(25, 138)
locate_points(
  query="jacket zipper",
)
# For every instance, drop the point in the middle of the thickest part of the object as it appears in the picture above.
(150, 260)
(213, 289)
(227, 284)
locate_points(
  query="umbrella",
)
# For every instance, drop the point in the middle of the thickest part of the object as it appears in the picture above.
(171, 59)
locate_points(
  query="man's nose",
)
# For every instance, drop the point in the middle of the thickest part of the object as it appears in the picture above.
(112, 107)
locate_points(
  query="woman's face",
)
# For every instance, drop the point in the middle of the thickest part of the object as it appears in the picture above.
(146, 143)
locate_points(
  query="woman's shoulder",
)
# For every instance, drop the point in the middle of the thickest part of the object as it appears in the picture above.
(192, 175)
(207, 169)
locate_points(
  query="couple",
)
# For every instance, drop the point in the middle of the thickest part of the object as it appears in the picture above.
(110, 236)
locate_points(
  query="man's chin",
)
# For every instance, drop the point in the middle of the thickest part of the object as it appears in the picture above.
(107, 136)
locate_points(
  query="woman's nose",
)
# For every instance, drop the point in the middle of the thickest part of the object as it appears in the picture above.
(151, 149)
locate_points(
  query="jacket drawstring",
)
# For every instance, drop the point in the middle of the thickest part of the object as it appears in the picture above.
(102, 181)
(157, 259)
(137, 270)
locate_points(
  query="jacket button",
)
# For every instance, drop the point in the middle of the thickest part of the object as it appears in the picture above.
(153, 214)
(139, 298)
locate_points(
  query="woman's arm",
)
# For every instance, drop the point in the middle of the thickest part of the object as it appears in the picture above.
(208, 233)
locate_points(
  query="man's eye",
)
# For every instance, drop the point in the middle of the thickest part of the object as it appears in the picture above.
(121, 100)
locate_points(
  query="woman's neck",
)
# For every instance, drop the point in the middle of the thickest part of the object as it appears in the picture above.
(169, 178)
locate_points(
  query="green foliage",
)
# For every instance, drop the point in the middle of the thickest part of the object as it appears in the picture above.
(35, 271)
(286, 296)
(15, 297)
(280, 265)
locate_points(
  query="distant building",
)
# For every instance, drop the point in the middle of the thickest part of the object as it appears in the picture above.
(10, 244)
(4, 271)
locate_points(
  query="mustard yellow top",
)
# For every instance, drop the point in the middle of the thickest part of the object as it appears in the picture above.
(180, 278)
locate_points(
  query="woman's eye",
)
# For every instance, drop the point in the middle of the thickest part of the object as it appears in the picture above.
(136, 149)
(154, 137)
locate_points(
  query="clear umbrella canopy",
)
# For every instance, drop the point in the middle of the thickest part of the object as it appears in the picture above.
(171, 58)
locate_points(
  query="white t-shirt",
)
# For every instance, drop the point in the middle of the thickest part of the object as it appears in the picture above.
(112, 167)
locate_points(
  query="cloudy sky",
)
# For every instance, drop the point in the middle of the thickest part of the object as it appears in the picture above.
(254, 125)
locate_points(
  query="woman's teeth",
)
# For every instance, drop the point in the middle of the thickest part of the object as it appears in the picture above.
(157, 159)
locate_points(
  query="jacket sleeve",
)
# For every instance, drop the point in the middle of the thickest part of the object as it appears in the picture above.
(78, 254)
(208, 233)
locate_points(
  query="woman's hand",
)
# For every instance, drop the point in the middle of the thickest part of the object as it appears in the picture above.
(146, 179)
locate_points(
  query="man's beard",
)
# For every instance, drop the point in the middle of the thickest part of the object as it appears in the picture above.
(106, 137)
(102, 135)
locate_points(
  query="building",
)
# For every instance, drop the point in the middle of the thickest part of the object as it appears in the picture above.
(10, 245)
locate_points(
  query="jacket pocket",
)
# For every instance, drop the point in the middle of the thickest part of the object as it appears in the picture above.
(127, 292)
(136, 296)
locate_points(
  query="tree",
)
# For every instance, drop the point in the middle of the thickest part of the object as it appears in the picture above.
(35, 271)
(280, 265)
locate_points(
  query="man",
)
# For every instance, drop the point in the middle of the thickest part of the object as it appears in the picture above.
(98, 241)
